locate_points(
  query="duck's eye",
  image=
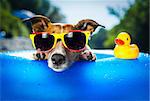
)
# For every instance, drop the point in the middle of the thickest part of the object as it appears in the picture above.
(127, 38)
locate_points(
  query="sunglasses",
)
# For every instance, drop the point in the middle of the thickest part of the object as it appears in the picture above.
(74, 40)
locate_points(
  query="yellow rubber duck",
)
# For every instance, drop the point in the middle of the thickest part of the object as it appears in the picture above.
(123, 49)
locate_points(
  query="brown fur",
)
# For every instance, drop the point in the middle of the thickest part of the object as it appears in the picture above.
(41, 23)
(87, 25)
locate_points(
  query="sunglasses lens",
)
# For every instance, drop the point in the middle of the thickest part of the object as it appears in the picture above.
(75, 40)
(44, 41)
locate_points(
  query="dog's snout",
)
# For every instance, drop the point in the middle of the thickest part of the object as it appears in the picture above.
(58, 59)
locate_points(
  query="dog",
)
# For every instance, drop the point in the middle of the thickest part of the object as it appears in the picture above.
(60, 58)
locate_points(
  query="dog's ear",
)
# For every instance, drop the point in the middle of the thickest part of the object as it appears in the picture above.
(87, 25)
(38, 23)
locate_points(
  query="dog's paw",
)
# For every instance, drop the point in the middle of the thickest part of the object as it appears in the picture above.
(87, 55)
(39, 56)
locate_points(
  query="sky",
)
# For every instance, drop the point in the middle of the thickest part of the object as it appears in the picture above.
(76, 10)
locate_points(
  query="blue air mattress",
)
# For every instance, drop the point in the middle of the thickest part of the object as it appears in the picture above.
(109, 78)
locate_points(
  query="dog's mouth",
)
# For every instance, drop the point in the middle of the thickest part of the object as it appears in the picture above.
(58, 68)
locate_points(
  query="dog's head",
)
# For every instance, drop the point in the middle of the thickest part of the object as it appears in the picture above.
(59, 57)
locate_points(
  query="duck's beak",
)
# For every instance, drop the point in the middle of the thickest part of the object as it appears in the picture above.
(119, 41)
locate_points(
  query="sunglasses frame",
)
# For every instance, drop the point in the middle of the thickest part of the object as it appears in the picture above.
(61, 36)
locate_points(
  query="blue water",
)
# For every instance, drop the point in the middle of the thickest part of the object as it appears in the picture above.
(106, 79)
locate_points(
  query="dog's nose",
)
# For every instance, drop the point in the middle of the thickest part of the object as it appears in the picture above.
(58, 59)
